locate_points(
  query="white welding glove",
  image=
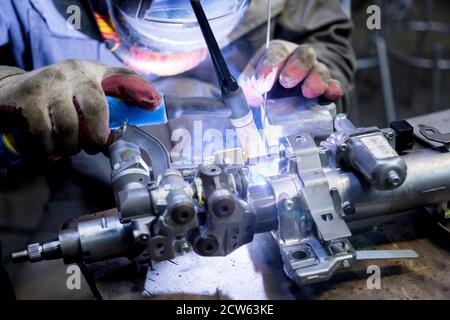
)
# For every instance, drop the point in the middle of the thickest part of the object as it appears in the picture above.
(292, 65)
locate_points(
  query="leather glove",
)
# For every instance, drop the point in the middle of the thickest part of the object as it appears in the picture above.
(291, 65)
(62, 109)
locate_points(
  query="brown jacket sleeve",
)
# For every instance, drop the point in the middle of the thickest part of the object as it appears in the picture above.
(326, 26)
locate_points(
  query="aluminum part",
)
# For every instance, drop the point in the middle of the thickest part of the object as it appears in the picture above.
(309, 203)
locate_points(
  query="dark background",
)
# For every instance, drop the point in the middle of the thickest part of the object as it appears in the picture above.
(412, 87)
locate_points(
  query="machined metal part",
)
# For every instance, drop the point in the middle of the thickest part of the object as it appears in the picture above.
(36, 252)
(427, 183)
(174, 204)
(374, 157)
(99, 238)
(230, 221)
(306, 208)
(289, 116)
(370, 151)
(262, 197)
(311, 261)
(93, 238)
(433, 134)
(130, 177)
(309, 201)
(316, 192)
(152, 149)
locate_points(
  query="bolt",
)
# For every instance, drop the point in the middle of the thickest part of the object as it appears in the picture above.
(343, 147)
(223, 207)
(393, 179)
(300, 139)
(389, 135)
(182, 213)
(288, 204)
(143, 238)
(346, 263)
(206, 245)
(289, 152)
(213, 170)
(348, 208)
(184, 247)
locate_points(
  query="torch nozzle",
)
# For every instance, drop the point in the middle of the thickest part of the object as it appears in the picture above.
(232, 94)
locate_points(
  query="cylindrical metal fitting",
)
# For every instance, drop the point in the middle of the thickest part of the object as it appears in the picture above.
(427, 182)
(130, 178)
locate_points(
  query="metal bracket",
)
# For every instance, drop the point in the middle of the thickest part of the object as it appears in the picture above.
(385, 254)
(316, 190)
(154, 149)
(433, 134)
(311, 262)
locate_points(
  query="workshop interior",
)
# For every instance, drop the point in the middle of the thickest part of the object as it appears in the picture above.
(225, 150)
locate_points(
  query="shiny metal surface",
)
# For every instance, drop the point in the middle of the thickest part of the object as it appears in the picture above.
(427, 182)
(153, 149)
(385, 254)
(213, 210)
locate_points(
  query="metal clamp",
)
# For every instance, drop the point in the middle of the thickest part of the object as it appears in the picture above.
(433, 134)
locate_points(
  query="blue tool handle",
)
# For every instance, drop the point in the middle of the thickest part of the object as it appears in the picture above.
(120, 113)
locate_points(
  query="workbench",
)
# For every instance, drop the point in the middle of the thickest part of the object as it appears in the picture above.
(255, 271)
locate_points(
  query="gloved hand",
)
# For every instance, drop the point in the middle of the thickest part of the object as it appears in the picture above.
(291, 65)
(61, 109)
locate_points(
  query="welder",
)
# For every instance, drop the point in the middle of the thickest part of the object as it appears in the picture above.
(60, 104)
(64, 56)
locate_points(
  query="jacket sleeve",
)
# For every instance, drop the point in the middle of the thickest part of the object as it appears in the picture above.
(325, 26)
(4, 28)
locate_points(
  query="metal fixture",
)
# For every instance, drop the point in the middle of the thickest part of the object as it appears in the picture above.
(310, 204)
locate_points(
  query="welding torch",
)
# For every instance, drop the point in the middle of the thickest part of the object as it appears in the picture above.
(232, 94)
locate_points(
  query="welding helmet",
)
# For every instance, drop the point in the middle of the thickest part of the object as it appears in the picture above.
(162, 37)
(170, 26)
